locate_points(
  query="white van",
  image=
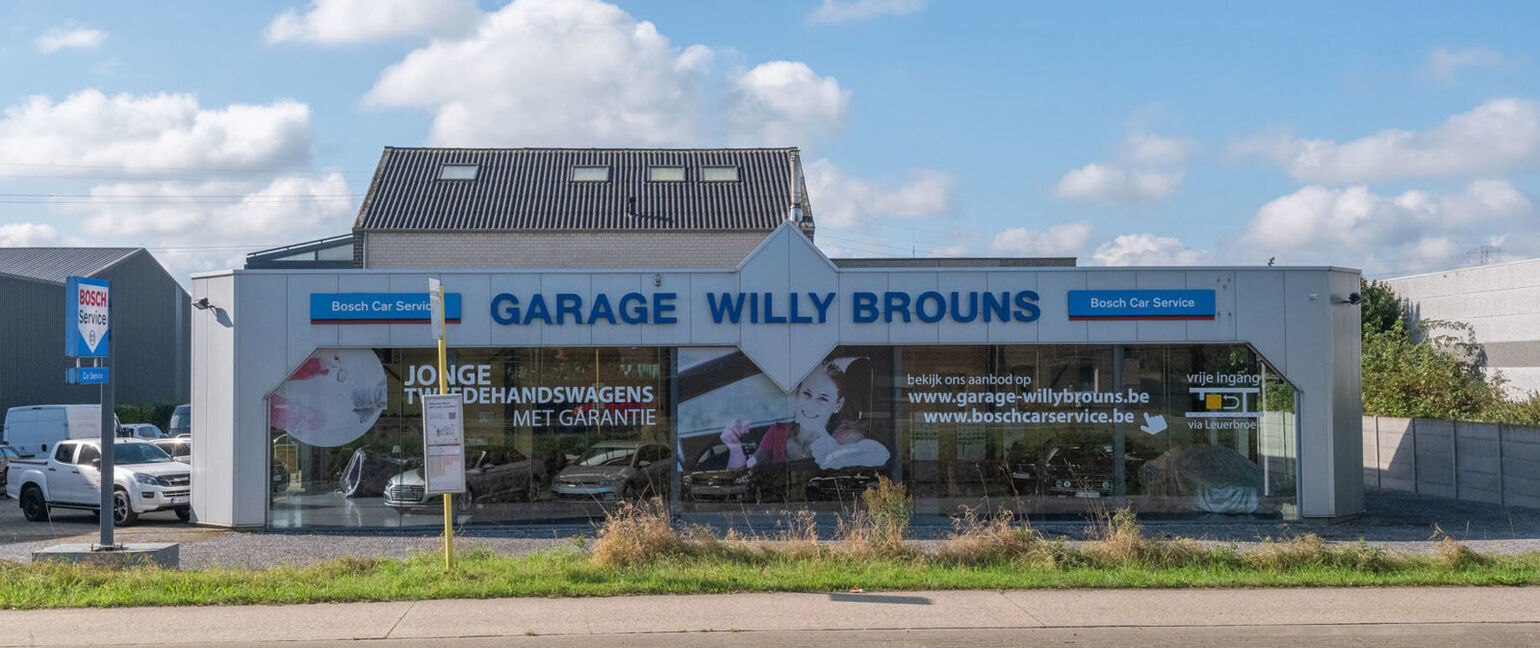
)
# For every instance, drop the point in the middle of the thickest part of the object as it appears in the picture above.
(33, 429)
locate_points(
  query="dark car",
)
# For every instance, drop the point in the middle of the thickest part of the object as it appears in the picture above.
(491, 475)
(1066, 471)
(709, 478)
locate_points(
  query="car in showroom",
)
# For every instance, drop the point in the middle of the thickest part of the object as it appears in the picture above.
(615, 470)
(708, 478)
(1066, 471)
(492, 474)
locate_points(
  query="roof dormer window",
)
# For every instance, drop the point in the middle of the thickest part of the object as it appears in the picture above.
(665, 174)
(591, 174)
(457, 172)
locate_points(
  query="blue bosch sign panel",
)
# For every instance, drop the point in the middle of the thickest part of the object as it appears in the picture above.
(379, 308)
(85, 318)
(86, 375)
(1141, 304)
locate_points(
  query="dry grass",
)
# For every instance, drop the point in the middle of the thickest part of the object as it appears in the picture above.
(1116, 540)
(976, 540)
(636, 533)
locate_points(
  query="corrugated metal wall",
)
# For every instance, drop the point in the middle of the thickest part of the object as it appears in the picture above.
(150, 330)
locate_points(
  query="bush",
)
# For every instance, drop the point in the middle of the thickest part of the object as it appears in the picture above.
(879, 530)
(636, 533)
(1118, 541)
(977, 541)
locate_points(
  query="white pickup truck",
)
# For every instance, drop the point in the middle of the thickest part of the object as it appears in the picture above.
(146, 480)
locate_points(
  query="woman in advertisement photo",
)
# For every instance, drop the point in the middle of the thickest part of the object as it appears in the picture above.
(823, 429)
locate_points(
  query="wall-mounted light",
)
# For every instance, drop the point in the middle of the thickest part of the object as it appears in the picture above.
(1353, 299)
(202, 303)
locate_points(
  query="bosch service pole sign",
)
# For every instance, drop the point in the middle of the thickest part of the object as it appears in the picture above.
(88, 334)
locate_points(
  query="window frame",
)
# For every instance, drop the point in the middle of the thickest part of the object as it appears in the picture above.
(684, 173)
(573, 175)
(475, 171)
(737, 173)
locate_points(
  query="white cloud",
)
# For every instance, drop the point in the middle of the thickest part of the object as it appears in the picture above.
(71, 35)
(1144, 148)
(1059, 240)
(1147, 250)
(552, 72)
(842, 201)
(1100, 183)
(785, 103)
(150, 133)
(586, 73)
(843, 11)
(219, 212)
(1414, 230)
(948, 252)
(1443, 63)
(32, 235)
(1497, 136)
(349, 22)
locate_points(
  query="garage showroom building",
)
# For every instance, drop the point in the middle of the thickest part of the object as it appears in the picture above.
(630, 323)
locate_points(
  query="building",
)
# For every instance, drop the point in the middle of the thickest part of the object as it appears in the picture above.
(769, 378)
(150, 328)
(1501, 305)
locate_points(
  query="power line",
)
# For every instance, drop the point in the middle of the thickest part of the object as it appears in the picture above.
(198, 169)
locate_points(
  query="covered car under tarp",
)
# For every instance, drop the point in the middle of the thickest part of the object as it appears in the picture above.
(1219, 479)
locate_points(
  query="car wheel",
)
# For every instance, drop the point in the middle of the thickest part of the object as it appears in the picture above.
(628, 493)
(757, 495)
(33, 505)
(122, 509)
(532, 492)
(184, 514)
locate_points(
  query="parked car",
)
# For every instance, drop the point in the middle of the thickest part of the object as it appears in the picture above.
(34, 429)
(1066, 471)
(491, 475)
(709, 478)
(612, 470)
(179, 449)
(144, 431)
(146, 480)
(7, 453)
(181, 422)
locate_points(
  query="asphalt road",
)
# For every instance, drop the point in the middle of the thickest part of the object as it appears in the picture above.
(1477, 635)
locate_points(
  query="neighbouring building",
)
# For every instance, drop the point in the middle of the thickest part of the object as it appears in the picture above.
(151, 361)
(694, 345)
(1501, 305)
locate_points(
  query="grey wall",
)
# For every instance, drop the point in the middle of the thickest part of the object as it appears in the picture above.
(1501, 303)
(151, 339)
(634, 249)
(1480, 462)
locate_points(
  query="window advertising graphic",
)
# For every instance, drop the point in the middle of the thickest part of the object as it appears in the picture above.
(547, 433)
(1175, 429)
(744, 440)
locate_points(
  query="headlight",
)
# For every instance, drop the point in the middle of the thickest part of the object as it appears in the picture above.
(149, 480)
(741, 479)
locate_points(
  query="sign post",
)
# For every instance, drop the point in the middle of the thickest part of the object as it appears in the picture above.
(87, 334)
(443, 430)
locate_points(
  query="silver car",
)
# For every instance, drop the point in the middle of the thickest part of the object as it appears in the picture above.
(612, 470)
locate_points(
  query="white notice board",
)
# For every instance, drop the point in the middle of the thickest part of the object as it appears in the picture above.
(443, 440)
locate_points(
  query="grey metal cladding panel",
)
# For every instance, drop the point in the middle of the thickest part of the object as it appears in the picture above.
(58, 263)
(151, 348)
(532, 189)
(32, 346)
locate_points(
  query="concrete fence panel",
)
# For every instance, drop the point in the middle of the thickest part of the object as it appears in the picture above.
(1478, 462)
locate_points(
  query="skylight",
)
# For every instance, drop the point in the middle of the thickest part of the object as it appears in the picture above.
(719, 174)
(665, 174)
(457, 172)
(590, 174)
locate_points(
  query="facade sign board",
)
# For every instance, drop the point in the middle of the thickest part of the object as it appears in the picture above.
(379, 308)
(85, 318)
(443, 438)
(1141, 305)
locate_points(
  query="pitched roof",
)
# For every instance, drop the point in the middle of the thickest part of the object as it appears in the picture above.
(532, 188)
(55, 264)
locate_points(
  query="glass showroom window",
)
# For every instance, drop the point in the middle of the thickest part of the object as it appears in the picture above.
(1068, 429)
(533, 418)
(746, 443)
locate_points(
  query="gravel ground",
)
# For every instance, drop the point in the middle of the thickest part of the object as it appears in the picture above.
(1398, 521)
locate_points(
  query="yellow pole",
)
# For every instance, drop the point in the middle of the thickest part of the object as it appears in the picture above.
(443, 388)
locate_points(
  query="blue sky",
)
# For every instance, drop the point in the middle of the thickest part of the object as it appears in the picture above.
(1395, 137)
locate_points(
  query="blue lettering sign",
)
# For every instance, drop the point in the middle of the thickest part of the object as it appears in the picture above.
(380, 308)
(1141, 304)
